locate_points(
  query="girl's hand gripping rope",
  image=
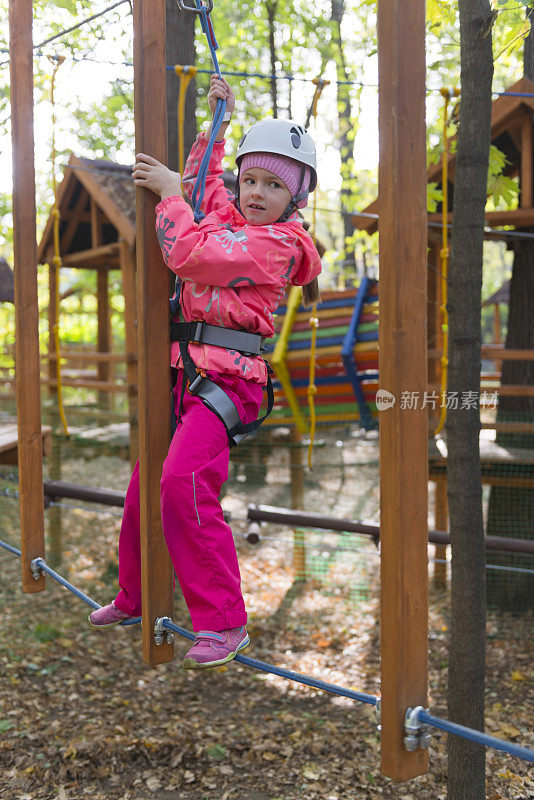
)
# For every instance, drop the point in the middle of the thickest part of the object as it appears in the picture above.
(220, 89)
(152, 174)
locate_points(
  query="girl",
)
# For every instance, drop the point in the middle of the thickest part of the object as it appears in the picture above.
(234, 267)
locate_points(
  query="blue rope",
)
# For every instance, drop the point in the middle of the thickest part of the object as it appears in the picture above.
(43, 566)
(436, 722)
(477, 736)
(332, 688)
(200, 184)
(10, 548)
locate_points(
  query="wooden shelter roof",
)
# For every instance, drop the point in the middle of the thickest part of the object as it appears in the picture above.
(502, 295)
(106, 184)
(109, 186)
(7, 283)
(507, 115)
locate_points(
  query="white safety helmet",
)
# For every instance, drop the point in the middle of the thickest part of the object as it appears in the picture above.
(283, 137)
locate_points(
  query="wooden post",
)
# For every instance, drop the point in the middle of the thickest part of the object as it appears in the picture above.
(403, 367)
(441, 523)
(103, 310)
(153, 325)
(54, 517)
(434, 327)
(526, 198)
(127, 262)
(297, 501)
(26, 304)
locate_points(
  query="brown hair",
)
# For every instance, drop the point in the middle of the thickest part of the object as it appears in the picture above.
(311, 293)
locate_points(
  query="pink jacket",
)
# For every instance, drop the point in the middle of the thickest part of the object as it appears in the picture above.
(233, 274)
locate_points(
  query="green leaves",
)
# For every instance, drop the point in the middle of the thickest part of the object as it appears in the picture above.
(500, 187)
(433, 197)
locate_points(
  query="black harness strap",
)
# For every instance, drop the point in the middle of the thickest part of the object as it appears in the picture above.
(211, 393)
(199, 332)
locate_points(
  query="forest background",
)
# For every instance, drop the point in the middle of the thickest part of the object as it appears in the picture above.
(335, 40)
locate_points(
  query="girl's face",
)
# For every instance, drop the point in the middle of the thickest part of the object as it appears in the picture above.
(263, 197)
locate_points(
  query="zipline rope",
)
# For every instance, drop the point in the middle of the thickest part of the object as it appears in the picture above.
(362, 697)
(82, 22)
(200, 183)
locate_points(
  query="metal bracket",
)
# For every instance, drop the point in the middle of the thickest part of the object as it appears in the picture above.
(417, 734)
(36, 569)
(161, 633)
(378, 713)
(208, 5)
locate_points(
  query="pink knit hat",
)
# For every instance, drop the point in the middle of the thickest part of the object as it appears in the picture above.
(285, 168)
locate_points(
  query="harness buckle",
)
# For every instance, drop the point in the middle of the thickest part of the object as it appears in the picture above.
(196, 331)
(194, 387)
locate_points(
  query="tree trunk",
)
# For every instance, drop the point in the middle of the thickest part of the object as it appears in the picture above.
(346, 146)
(180, 50)
(466, 760)
(180, 44)
(511, 509)
(271, 7)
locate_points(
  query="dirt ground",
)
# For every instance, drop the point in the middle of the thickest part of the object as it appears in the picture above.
(81, 715)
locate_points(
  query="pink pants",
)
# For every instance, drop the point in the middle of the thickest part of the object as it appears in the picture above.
(200, 542)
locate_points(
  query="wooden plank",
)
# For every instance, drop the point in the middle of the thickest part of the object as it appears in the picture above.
(503, 391)
(127, 261)
(494, 352)
(502, 354)
(9, 442)
(26, 302)
(526, 160)
(73, 355)
(520, 217)
(94, 385)
(403, 365)
(153, 327)
(88, 258)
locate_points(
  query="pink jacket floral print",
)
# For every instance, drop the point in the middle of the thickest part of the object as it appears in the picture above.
(233, 274)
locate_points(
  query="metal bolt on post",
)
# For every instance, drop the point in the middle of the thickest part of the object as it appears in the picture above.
(161, 634)
(417, 734)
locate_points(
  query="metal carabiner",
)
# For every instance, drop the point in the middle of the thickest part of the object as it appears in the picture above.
(207, 4)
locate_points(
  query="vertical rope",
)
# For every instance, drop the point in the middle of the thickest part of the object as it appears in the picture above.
(200, 183)
(445, 252)
(58, 61)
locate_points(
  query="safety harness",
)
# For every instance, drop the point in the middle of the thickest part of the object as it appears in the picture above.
(211, 394)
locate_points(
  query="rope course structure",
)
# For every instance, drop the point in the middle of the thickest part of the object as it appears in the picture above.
(405, 722)
(418, 720)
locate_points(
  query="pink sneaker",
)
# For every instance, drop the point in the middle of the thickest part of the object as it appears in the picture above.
(213, 648)
(107, 616)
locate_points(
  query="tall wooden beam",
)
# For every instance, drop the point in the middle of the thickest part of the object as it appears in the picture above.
(153, 324)
(26, 307)
(403, 367)
(526, 196)
(127, 262)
